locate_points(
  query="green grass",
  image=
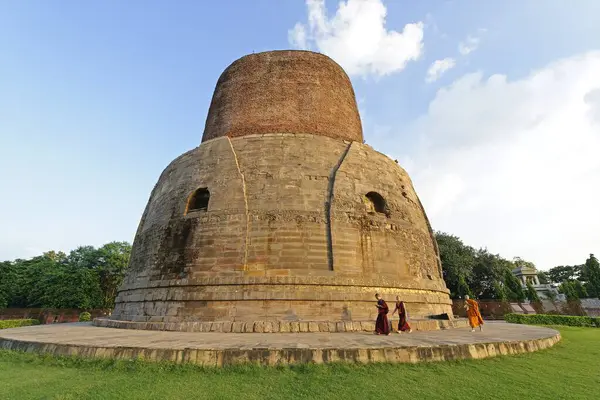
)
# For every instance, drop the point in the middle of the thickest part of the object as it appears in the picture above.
(570, 370)
(15, 323)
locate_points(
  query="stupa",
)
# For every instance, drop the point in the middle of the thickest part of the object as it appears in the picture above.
(282, 219)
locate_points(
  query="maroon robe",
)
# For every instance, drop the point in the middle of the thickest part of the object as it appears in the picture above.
(402, 323)
(382, 325)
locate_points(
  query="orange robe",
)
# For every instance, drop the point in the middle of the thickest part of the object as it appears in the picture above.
(473, 314)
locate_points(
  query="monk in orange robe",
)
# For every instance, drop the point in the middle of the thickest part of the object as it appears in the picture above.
(473, 314)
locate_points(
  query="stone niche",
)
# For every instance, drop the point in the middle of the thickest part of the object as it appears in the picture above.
(282, 219)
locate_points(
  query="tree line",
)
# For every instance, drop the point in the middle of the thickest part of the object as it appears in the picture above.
(484, 275)
(576, 281)
(88, 277)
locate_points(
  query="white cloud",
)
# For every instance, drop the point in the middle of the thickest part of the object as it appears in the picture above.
(469, 45)
(438, 68)
(514, 165)
(356, 37)
(297, 36)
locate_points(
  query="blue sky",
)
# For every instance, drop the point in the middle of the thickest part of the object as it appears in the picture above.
(97, 98)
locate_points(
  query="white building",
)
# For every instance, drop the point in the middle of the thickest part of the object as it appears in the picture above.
(527, 274)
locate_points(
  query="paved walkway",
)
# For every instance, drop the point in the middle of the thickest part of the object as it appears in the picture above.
(215, 348)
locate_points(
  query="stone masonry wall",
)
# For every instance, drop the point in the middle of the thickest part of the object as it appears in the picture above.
(397, 245)
(287, 236)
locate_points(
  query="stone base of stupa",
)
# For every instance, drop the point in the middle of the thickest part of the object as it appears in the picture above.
(215, 349)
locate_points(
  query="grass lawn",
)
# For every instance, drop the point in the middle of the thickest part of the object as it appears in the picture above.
(570, 370)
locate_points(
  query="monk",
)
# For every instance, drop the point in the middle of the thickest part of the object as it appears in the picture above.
(473, 314)
(403, 325)
(382, 325)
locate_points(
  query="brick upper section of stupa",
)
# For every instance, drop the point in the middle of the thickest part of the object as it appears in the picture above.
(284, 92)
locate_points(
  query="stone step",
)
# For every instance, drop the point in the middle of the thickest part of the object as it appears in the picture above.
(277, 326)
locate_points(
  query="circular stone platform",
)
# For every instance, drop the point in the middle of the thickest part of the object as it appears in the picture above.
(218, 349)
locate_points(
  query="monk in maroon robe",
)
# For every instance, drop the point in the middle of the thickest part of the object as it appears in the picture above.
(382, 325)
(403, 325)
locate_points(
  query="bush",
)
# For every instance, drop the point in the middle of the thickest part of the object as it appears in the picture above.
(15, 323)
(85, 316)
(546, 319)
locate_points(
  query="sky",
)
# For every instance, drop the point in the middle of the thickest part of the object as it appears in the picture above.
(493, 108)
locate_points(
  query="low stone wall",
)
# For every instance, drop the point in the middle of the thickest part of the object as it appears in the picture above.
(491, 309)
(277, 326)
(591, 307)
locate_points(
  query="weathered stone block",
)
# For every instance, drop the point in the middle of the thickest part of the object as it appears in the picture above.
(206, 327)
(323, 327)
(284, 327)
(238, 327)
(303, 326)
(268, 327)
(226, 327)
(259, 326)
(294, 326)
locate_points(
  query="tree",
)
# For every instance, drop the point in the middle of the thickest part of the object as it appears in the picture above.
(513, 286)
(72, 287)
(40, 281)
(84, 257)
(487, 272)
(500, 291)
(580, 289)
(590, 273)
(457, 264)
(52, 255)
(531, 293)
(479, 273)
(519, 262)
(7, 284)
(568, 289)
(112, 263)
(12, 283)
(543, 277)
(463, 288)
(564, 273)
(87, 278)
(493, 278)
